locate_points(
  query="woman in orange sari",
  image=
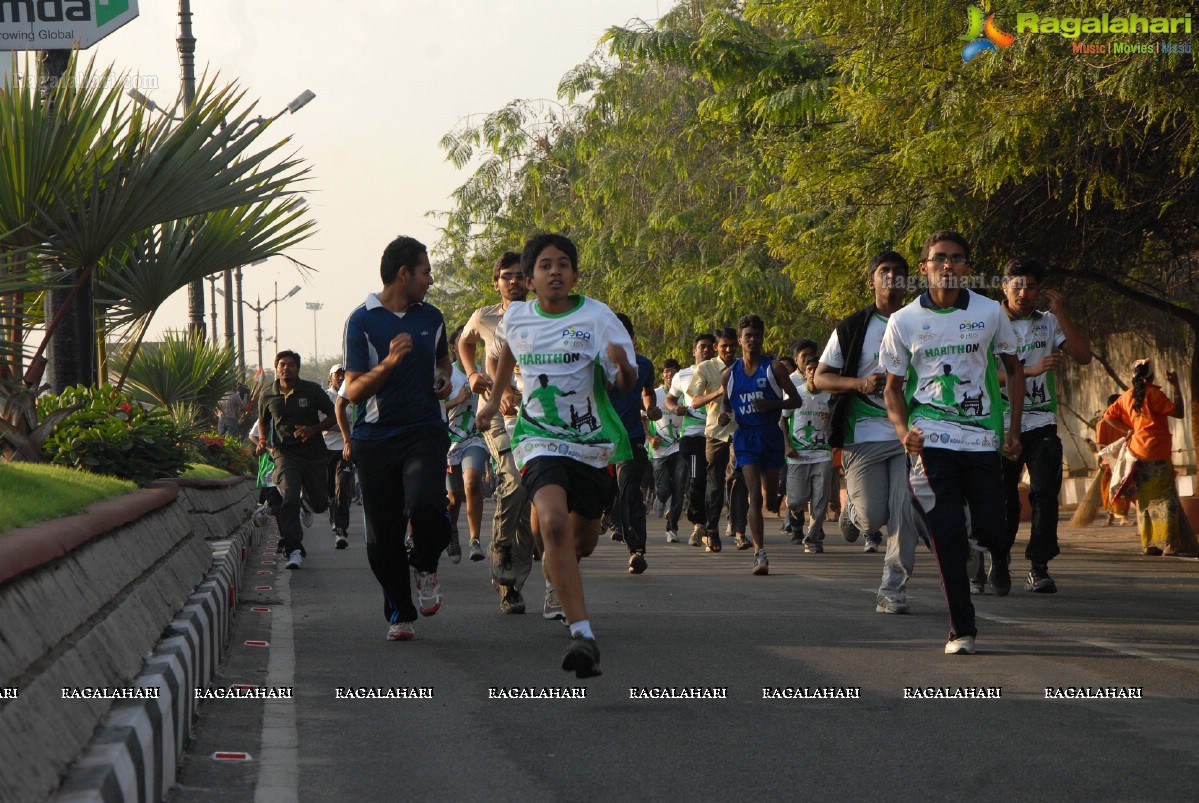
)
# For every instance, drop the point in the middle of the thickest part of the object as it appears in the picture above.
(1142, 412)
(1116, 508)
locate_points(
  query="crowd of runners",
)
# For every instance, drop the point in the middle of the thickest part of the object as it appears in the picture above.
(546, 391)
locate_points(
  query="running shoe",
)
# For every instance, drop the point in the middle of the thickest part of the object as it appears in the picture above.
(797, 538)
(761, 563)
(999, 575)
(888, 605)
(340, 539)
(672, 536)
(294, 559)
(978, 585)
(1039, 580)
(741, 541)
(848, 529)
(712, 543)
(870, 546)
(305, 515)
(409, 544)
(511, 601)
(582, 657)
(454, 550)
(401, 631)
(551, 608)
(697, 535)
(814, 548)
(960, 646)
(476, 549)
(262, 515)
(637, 563)
(428, 593)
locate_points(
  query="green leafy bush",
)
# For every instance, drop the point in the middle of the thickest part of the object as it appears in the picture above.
(113, 435)
(226, 453)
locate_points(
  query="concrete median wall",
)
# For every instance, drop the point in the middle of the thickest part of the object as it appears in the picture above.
(129, 596)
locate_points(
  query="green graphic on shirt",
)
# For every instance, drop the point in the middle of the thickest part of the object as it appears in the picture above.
(546, 396)
(947, 382)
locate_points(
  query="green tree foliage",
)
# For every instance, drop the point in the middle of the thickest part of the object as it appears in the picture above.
(752, 155)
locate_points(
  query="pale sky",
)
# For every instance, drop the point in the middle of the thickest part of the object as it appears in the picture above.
(391, 77)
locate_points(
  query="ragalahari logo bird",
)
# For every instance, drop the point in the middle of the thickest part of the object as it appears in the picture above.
(982, 34)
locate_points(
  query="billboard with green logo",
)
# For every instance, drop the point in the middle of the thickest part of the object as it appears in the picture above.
(60, 24)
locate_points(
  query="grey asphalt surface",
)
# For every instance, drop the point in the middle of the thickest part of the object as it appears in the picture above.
(696, 619)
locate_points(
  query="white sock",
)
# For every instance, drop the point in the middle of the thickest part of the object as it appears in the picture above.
(582, 628)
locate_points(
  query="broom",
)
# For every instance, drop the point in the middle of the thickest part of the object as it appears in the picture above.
(1087, 509)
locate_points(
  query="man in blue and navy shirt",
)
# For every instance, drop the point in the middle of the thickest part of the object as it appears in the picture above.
(397, 372)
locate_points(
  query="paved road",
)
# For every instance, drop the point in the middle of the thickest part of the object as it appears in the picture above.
(699, 620)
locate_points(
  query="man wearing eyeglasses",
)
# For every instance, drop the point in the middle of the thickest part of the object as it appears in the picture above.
(511, 537)
(953, 441)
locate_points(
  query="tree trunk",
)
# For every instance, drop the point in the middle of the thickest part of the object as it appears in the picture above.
(72, 348)
(1193, 396)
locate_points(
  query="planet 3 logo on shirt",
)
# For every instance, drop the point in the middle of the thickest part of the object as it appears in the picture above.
(970, 326)
(574, 338)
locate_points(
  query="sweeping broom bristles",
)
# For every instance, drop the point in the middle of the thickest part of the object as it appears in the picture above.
(1088, 508)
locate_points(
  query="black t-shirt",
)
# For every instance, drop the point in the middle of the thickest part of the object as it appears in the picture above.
(302, 406)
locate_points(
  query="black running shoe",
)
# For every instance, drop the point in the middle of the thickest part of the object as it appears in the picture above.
(1040, 581)
(582, 657)
(1000, 576)
(637, 563)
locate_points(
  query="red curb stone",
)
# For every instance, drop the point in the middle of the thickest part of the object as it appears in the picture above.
(27, 548)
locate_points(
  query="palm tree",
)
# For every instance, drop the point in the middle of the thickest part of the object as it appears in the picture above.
(95, 191)
(83, 172)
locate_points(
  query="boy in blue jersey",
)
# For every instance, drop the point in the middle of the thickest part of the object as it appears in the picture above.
(756, 391)
(567, 433)
(397, 374)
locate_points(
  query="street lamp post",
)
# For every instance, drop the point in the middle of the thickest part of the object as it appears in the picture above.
(315, 306)
(258, 310)
(212, 286)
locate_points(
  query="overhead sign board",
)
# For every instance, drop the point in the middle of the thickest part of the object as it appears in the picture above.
(60, 24)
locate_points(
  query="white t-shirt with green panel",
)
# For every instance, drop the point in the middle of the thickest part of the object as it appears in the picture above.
(668, 428)
(1037, 337)
(565, 411)
(948, 358)
(808, 426)
(867, 420)
(693, 422)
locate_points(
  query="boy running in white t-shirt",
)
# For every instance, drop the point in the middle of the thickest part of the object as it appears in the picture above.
(568, 347)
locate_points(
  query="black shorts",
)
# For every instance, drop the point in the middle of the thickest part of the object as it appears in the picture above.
(588, 489)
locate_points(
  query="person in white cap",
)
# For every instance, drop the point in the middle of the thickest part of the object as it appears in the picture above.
(339, 503)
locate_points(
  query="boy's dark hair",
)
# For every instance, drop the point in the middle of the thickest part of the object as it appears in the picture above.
(805, 344)
(748, 321)
(703, 336)
(671, 363)
(891, 256)
(625, 321)
(1023, 266)
(288, 355)
(944, 235)
(457, 333)
(402, 252)
(506, 260)
(726, 333)
(1112, 399)
(539, 242)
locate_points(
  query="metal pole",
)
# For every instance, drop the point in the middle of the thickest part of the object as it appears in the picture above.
(258, 310)
(276, 303)
(212, 286)
(186, 44)
(315, 306)
(241, 329)
(229, 308)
